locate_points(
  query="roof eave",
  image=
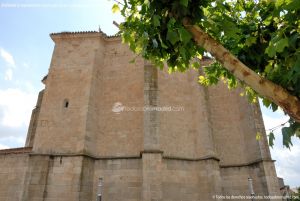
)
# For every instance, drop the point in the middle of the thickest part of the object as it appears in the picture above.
(84, 34)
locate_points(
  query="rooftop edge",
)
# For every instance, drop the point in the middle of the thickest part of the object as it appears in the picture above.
(71, 34)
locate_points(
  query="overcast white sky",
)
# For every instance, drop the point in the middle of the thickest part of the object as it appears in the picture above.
(26, 50)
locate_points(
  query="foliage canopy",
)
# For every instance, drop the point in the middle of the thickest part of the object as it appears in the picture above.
(263, 34)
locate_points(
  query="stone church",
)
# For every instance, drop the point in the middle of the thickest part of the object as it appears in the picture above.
(111, 130)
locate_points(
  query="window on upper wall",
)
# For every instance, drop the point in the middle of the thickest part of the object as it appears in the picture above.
(66, 103)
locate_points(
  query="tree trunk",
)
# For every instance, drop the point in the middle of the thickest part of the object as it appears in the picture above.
(290, 104)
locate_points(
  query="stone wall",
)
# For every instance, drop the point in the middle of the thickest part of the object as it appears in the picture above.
(62, 128)
(185, 180)
(203, 146)
(149, 177)
(34, 120)
(263, 174)
(189, 128)
(122, 179)
(235, 125)
(13, 168)
(118, 82)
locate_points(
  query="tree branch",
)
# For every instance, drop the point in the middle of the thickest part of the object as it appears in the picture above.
(290, 104)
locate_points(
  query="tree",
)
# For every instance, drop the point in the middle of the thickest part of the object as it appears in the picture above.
(296, 196)
(254, 43)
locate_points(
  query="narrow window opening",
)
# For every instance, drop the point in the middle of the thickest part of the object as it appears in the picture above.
(66, 103)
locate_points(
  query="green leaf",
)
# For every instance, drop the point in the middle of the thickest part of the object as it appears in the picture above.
(171, 23)
(270, 50)
(271, 139)
(196, 65)
(293, 40)
(274, 107)
(292, 5)
(287, 133)
(276, 45)
(296, 66)
(182, 52)
(281, 44)
(266, 102)
(184, 2)
(156, 21)
(269, 67)
(203, 80)
(279, 3)
(115, 8)
(250, 40)
(172, 36)
(230, 29)
(185, 36)
(268, 20)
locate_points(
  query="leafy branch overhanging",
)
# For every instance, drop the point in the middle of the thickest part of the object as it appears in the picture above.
(255, 44)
